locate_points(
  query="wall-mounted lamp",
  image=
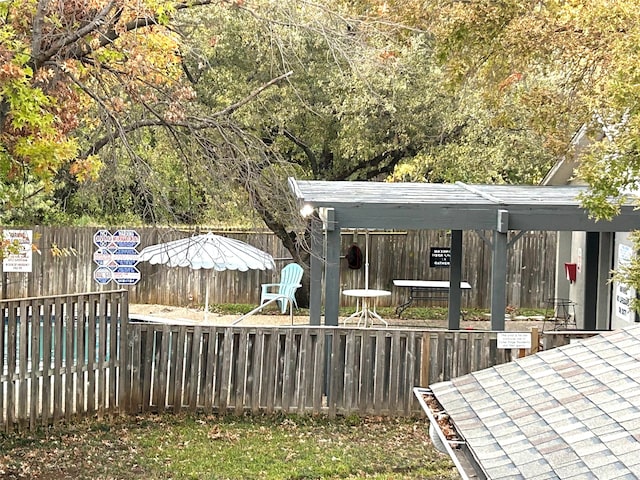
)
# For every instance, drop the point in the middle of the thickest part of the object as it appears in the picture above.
(306, 210)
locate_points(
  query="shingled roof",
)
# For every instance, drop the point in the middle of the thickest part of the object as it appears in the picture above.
(570, 412)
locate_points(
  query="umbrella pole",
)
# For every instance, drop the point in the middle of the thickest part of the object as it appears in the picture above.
(366, 259)
(206, 299)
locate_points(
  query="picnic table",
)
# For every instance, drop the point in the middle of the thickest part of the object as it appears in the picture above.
(425, 290)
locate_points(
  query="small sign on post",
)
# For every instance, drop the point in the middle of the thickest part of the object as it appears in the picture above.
(509, 340)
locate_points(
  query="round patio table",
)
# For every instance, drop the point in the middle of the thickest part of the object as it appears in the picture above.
(366, 305)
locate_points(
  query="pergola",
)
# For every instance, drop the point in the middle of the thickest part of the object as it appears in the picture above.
(456, 207)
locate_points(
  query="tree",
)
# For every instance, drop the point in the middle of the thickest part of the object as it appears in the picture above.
(565, 63)
(169, 99)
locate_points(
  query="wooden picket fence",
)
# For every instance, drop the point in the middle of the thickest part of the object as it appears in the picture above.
(71, 356)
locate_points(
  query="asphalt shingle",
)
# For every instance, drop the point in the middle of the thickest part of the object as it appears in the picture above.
(571, 412)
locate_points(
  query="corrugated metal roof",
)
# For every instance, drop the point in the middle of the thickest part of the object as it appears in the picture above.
(571, 412)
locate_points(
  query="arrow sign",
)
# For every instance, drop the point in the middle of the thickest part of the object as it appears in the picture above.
(126, 238)
(102, 275)
(125, 257)
(126, 275)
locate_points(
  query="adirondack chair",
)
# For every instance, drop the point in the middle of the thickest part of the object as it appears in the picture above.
(285, 290)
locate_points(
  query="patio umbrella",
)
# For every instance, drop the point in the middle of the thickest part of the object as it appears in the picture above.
(208, 251)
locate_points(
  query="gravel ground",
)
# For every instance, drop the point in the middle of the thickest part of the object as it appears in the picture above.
(192, 315)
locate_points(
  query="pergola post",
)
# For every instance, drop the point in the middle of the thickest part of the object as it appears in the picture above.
(315, 281)
(455, 277)
(499, 271)
(332, 268)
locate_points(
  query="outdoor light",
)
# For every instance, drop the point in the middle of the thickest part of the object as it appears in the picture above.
(306, 210)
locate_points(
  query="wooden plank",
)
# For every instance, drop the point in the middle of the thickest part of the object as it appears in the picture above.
(379, 378)
(173, 355)
(12, 360)
(35, 412)
(319, 370)
(270, 375)
(411, 379)
(80, 354)
(194, 381)
(178, 360)
(210, 369)
(227, 358)
(295, 367)
(367, 373)
(69, 350)
(287, 355)
(137, 334)
(241, 371)
(202, 366)
(248, 374)
(396, 362)
(47, 371)
(350, 376)
(304, 372)
(23, 362)
(92, 364)
(186, 377)
(124, 372)
(58, 340)
(438, 348)
(112, 364)
(425, 380)
(102, 355)
(257, 371)
(146, 366)
(162, 365)
(156, 397)
(332, 380)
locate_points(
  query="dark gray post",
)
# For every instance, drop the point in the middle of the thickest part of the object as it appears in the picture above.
(590, 266)
(499, 271)
(605, 265)
(332, 269)
(455, 277)
(315, 281)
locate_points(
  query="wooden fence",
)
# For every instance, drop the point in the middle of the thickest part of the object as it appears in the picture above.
(61, 357)
(530, 272)
(69, 356)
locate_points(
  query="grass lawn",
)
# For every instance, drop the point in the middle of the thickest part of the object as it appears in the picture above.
(229, 447)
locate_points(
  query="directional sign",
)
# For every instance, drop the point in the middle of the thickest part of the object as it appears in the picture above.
(126, 238)
(102, 275)
(125, 257)
(102, 238)
(126, 275)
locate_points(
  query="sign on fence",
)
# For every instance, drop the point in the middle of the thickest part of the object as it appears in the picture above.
(439, 257)
(116, 257)
(509, 340)
(20, 261)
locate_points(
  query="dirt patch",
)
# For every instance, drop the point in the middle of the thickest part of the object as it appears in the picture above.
(194, 315)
